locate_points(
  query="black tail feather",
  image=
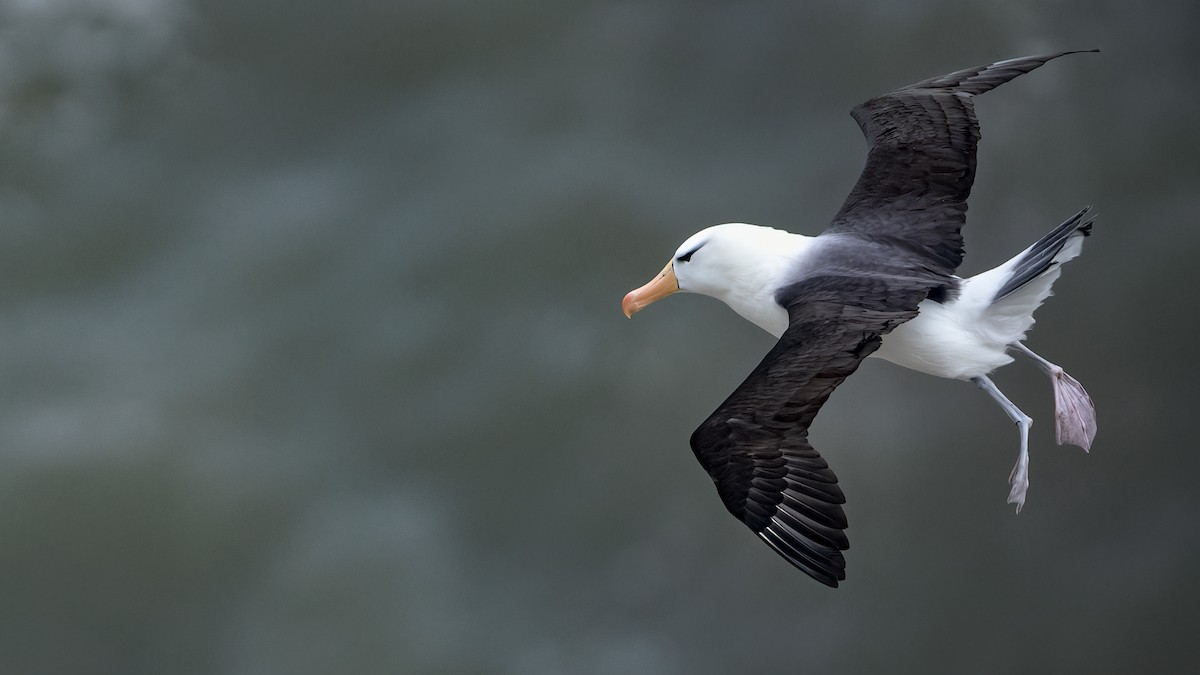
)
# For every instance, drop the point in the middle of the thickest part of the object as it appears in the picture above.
(1041, 255)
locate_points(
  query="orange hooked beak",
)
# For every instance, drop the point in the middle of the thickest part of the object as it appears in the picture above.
(659, 287)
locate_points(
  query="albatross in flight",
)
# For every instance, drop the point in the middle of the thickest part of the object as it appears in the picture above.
(879, 281)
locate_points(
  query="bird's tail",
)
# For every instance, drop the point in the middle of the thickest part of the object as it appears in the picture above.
(1061, 244)
(1021, 285)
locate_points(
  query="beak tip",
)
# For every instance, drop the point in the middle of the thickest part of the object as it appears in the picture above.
(628, 306)
(659, 287)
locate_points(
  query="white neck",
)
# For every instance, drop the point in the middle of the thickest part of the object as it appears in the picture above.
(765, 268)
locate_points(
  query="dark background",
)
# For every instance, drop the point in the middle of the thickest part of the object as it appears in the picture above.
(311, 357)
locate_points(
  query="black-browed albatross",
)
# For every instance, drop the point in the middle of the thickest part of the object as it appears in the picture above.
(884, 267)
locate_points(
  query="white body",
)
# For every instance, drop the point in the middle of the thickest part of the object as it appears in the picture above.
(961, 339)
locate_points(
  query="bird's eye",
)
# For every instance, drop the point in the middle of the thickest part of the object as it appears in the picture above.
(686, 257)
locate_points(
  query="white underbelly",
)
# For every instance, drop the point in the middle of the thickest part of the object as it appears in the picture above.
(941, 341)
(959, 340)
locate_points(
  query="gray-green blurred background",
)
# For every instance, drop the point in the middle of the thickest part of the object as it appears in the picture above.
(311, 357)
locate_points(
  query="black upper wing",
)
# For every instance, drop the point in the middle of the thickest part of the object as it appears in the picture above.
(912, 193)
(755, 446)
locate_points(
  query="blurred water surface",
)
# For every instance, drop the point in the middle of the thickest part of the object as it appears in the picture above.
(312, 359)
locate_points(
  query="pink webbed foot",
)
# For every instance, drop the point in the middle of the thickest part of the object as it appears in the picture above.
(1074, 414)
(1073, 411)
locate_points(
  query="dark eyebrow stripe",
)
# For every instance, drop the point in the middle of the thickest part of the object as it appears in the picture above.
(688, 256)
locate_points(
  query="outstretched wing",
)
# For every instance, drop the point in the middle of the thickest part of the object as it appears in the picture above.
(755, 446)
(913, 191)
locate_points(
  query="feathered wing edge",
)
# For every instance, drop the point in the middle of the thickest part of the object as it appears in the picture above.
(920, 166)
(755, 445)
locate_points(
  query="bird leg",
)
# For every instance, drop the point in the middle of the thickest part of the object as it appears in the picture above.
(1073, 410)
(1019, 478)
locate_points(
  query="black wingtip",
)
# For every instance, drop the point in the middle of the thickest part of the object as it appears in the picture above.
(981, 79)
(1073, 51)
(1069, 52)
(828, 568)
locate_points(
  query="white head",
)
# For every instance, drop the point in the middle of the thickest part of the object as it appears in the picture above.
(738, 263)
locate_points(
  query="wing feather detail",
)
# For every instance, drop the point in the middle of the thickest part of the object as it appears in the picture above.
(912, 193)
(755, 445)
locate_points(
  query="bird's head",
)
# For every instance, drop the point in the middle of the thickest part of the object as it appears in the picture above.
(714, 261)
